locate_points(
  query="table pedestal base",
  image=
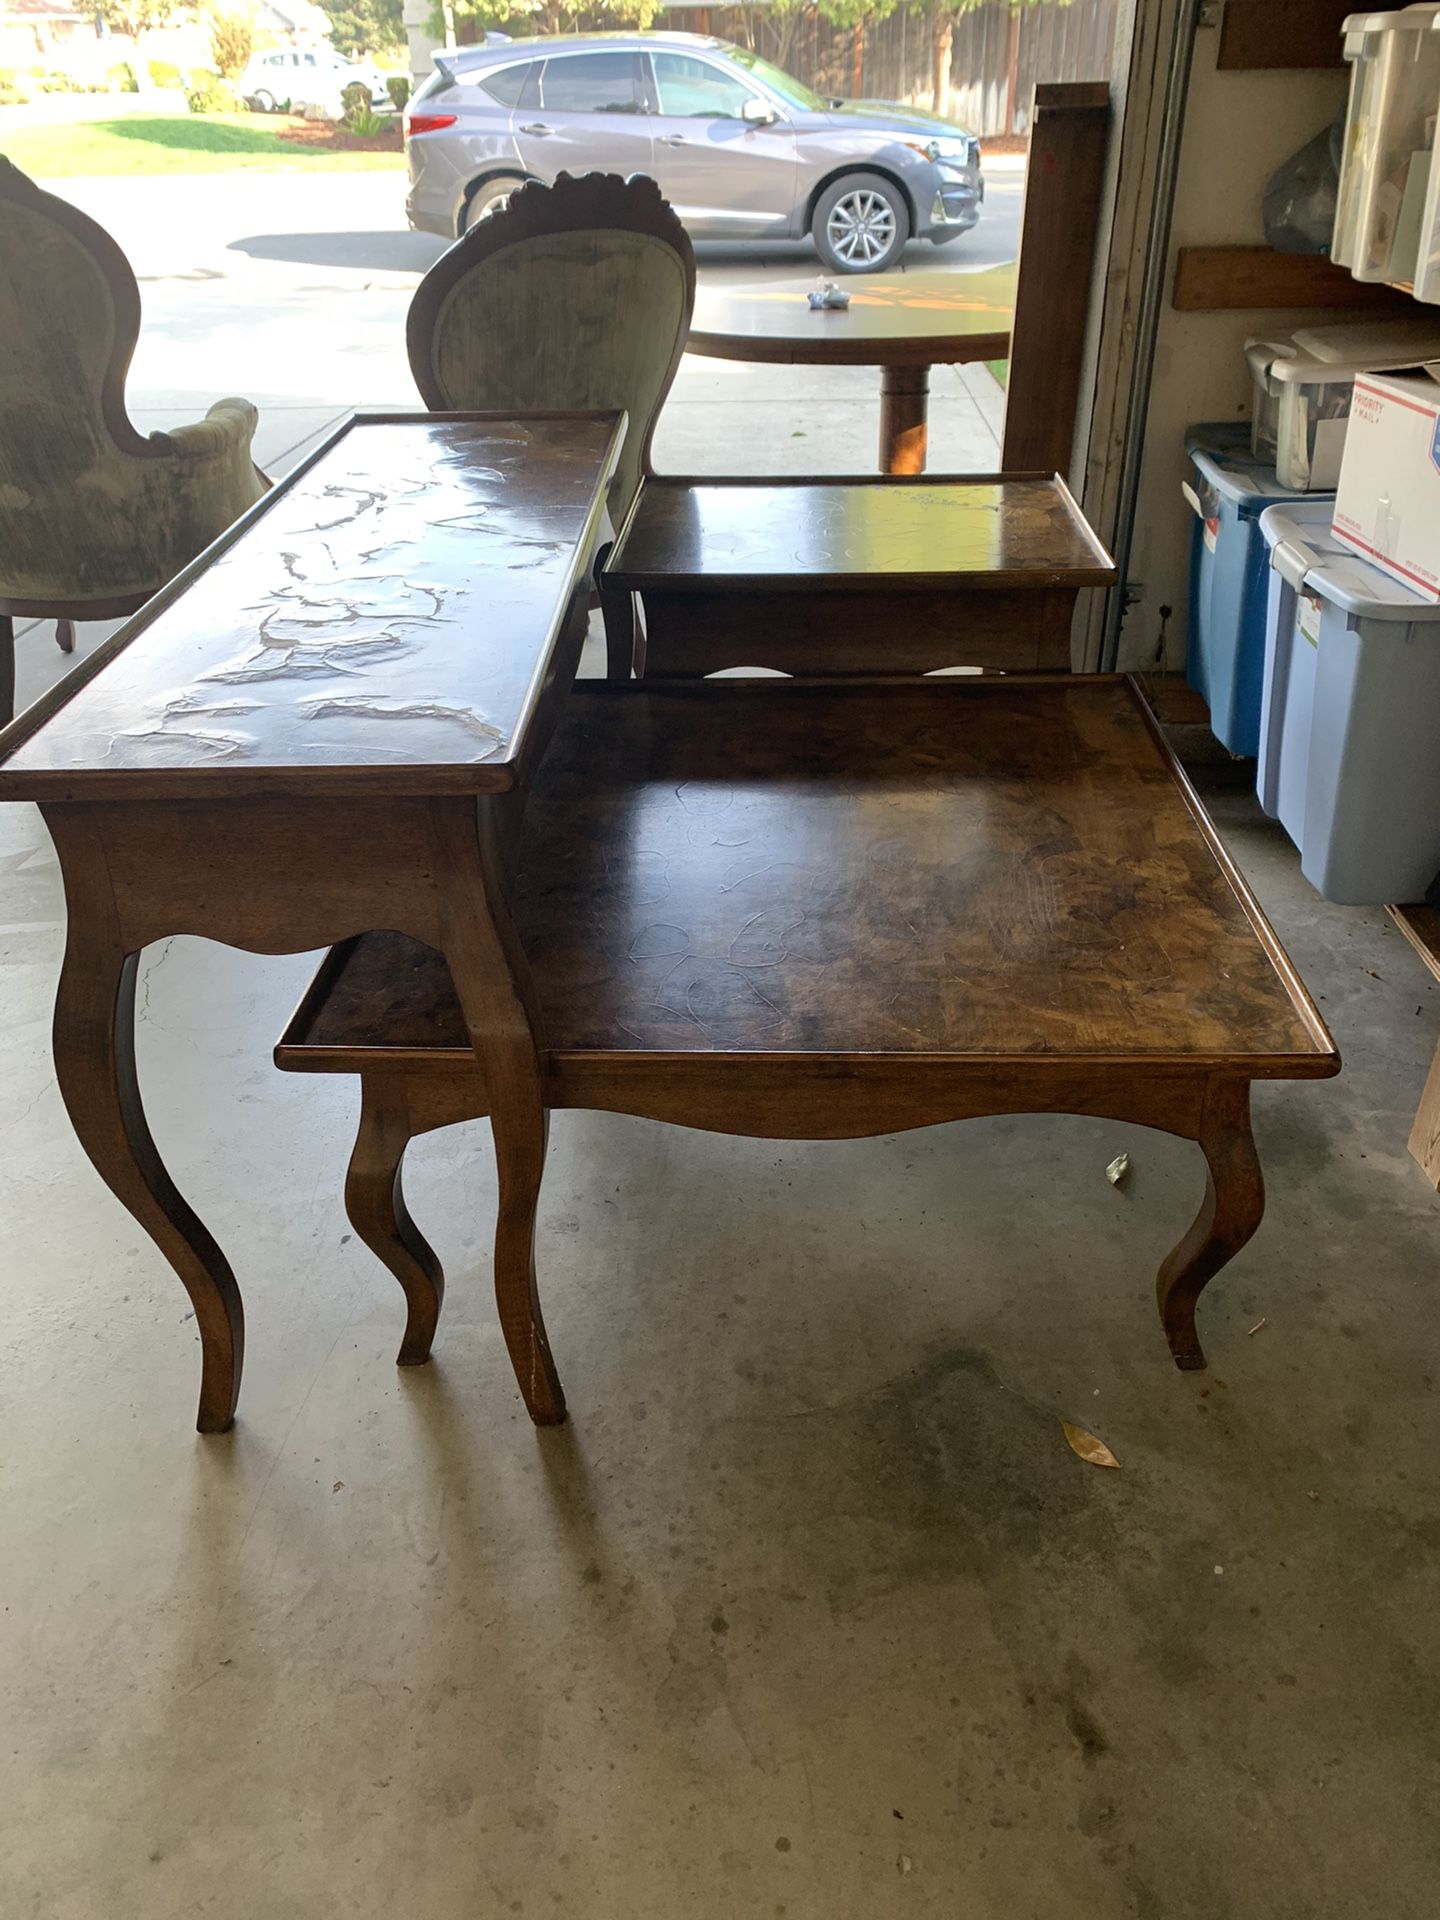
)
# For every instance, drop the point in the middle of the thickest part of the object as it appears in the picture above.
(904, 404)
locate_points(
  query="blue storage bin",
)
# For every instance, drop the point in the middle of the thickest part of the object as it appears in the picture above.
(1229, 578)
(1350, 726)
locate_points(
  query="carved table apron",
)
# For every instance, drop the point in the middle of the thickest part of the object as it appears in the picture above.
(322, 727)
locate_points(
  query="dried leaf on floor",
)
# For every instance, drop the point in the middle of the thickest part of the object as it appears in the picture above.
(1117, 1169)
(1088, 1447)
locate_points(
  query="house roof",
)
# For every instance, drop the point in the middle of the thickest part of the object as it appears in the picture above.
(39, 10)
(296, 16)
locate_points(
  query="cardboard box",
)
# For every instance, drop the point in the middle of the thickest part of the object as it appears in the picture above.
(1388, 505)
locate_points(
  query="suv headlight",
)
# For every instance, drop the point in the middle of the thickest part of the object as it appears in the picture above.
(959, 148)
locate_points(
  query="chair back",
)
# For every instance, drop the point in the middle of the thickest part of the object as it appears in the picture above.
(573, 296)
(69, 319)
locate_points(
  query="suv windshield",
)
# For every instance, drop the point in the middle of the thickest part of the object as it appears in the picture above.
(785, 85)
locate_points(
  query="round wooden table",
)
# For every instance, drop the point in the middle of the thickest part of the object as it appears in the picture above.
(904, 325)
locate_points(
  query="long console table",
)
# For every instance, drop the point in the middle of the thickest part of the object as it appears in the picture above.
(320, 728)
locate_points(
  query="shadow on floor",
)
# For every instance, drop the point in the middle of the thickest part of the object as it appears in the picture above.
(382, 252)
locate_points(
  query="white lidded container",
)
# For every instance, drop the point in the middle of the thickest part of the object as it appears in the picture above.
(1350, 715)
(1302, 389)
(1427, 253)
(1389, 144)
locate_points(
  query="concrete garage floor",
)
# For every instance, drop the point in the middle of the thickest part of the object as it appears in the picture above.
(809, 1612)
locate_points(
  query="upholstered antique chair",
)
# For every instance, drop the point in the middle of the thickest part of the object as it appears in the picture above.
(577, 295)
(95, 516)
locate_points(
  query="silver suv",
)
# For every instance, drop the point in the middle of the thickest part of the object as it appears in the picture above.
(741, 151)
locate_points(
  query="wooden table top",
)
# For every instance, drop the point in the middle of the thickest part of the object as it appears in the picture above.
(816, 535)
(979, 871)
(381, 622)
(908, 319)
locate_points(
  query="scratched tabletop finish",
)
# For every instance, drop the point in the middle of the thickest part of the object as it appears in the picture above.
(393, 606)
(938, 868)
(1019, 531)
(917, 319)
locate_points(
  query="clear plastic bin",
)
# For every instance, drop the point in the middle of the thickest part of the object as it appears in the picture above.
(1389, 141)
(1427, 256)
(1262, 357)
(1303, 387)
(1350, 717)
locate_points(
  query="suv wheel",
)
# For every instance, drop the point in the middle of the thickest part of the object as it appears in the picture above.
(861, 224)
(264, 101)
(490, 198)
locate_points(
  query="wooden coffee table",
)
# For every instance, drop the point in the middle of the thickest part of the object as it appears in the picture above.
(905, 325)
(820, 910)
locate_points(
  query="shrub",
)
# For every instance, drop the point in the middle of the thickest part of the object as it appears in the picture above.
(367, 123)
(232, 41)
(398, 88)
(122, 79)
(208, 93)
(163, 73)
(59, 83)
(354, 98)
(14, 91)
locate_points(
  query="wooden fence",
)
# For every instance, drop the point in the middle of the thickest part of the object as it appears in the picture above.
(996, 57)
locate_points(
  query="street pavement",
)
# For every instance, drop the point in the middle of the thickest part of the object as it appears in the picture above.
(292, 290)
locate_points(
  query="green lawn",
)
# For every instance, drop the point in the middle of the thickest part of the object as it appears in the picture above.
(188, 143)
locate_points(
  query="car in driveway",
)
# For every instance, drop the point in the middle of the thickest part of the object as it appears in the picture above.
(306, 76)
(740, 149)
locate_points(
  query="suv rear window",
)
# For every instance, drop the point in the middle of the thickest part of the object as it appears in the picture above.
(508, 84)
(591, 83)
(432, 83)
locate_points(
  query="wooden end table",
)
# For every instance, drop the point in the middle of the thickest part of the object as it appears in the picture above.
(866, 575)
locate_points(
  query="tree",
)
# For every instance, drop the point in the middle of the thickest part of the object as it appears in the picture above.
(134, 17)
(943, 15)
(365, 26)
(232, 41)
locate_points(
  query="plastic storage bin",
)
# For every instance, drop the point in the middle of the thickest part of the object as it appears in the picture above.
(1302, 391)
(1228, 491)
(1350, 726)
(1263, 357)
(1427, 253)
(1389, 141)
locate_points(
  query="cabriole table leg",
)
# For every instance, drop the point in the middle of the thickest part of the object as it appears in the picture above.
(1230, 1212)
(95, 1069)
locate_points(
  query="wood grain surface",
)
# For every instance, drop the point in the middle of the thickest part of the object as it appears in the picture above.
(910, 319)
(1234, 279)
(382, 624)
(976, 870)
(904, 535)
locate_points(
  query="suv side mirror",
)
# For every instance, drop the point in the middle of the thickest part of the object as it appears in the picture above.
(758, 113)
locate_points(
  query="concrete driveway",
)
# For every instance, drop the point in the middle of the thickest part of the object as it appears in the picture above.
(292, 290)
